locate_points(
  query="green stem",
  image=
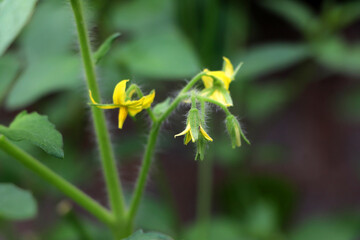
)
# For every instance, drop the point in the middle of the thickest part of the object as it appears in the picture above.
(113, 184)
(204, 196)
(181, 96)
(141, 182)
(146, 163)
(67, 188)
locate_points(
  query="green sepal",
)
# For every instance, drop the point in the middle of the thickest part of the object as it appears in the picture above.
(207, 92)
(104, 47)
(36, 129)
(160, 108)
(226, 95)
(194, 120)
(200, 148)
(236, 70)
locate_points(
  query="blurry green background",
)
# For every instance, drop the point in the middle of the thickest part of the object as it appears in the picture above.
(297, 95)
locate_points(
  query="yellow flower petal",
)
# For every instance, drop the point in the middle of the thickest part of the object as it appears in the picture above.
(228, 68)
(222, 77)
(122, 116)
(134, 103)
(206, 136)
(148, 99)
(187, 138)
(208, 81)
(102, 106)
(119, 92)
(187, 129)
(217, 96)
(192, 137)
(134, 110)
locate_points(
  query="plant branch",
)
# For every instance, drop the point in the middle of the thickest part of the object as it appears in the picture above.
(145, 167)
(67, 188)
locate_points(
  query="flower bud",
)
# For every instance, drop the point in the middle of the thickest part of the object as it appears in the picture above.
(194, 121)
(234, 130)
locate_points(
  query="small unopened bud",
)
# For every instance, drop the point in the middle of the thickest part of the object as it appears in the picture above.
(234, 130)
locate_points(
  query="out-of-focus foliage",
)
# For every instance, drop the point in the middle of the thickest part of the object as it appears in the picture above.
(269, 58)
(140, 235)
(15, 203)
(13, 17)
(336, 227)
(8, 68)
(50, 66)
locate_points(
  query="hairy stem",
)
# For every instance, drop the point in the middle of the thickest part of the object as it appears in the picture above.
(209, 100)
(141, 182)
(204, 196)
(113, 184)
(48, 175)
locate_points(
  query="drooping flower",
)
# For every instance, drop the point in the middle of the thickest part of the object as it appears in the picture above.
(235, 132)
(190, 136)
(217, 83)
(124, 103)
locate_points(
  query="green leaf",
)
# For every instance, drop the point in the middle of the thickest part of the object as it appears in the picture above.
(140, 235)
(14, 14)
(105, 47)
(162, 54)
(336, 54)
(268, 58)
(9, 66)
(337, 227)
(160, 108)
(15, 203)
(295, 12)
(36, 129)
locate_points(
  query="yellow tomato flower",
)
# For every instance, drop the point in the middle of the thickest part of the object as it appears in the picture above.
(217, 83)
(189, 136)
(124, 103)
